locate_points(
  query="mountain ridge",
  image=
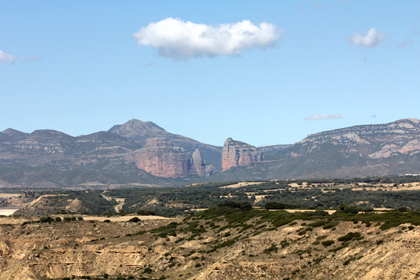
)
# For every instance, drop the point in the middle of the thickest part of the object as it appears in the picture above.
(139, 132)
(48, 158)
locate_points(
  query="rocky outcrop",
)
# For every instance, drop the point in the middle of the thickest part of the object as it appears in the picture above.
(162, 158)
(236, 153)
(140, 132)
(373, 141)
(199, 165)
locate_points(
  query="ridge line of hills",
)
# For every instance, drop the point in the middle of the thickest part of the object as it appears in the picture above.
(143, 153)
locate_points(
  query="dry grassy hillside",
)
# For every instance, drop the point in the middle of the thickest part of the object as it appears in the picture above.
(220, 243)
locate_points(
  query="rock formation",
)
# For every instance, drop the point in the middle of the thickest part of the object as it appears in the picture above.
(198, 163)
(140, 132)
(236, 153)
(162, 158)
(200, 166)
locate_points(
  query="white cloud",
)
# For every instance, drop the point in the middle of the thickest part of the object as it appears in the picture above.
(182, 40)
(33, 58)
(323, 117)
(406, 43)
(372, 38)
(6, 58)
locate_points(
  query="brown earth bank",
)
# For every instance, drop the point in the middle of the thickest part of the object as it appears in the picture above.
(204, 249)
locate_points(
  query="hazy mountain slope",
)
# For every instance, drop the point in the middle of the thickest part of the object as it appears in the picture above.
(48, 158)
(51, 159)
(141, 131)
(385, 149)
(274, 149)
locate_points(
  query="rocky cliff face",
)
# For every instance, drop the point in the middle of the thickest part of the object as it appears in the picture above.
(200, 166)
(236, 153)
(162, 158)
(140, 132)
(373, 141)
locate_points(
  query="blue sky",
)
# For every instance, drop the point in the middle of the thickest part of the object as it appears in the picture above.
(262, 72)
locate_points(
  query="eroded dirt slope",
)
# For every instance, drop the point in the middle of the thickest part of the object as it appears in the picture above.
(209, 248)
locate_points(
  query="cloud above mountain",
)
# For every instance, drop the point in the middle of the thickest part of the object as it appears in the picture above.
(372, 38)
(323, 117)
(183, 40)
(6, 58)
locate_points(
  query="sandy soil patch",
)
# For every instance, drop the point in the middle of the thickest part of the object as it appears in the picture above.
(307, 210)
(8, 195)
(303, 185)
(242, 184)
(258, 198)
(153, 201)
(15, 220)
(8, 211)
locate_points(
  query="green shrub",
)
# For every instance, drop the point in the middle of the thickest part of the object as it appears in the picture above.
(349, 236)
(321, 237)
(273, 248)
(148, 270)
(46, 219)
(284, 243)
(245, 205)
(349, 209)
(134, 220)
(349, 260)
(330, 225)
(145, 212)
(274, 205)
(344, 245)
(327, 243)
(318, 223)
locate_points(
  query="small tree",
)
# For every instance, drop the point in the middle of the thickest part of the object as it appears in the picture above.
(134, 220)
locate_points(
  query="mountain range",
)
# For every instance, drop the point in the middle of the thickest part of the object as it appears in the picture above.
(142, 153)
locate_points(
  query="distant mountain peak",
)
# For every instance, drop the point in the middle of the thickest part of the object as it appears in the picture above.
(414, 120)
(135, 126)
(11, 131)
